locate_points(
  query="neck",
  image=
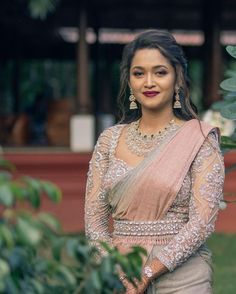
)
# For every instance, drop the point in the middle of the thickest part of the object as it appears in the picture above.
(153, 122)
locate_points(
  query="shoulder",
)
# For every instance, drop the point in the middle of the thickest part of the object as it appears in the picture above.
(204, 128)
(106, 136)
(110, 131)
(210, 148)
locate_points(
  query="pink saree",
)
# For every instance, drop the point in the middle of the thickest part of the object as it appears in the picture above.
(148, 190)
(168, 203)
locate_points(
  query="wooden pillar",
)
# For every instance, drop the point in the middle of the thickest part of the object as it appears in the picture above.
(106, 97)
(212, 52)
(105, 117)
(82, 124)
(84, 103)
(96, 72)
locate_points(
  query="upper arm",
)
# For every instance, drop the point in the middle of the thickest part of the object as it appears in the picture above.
(207, 179)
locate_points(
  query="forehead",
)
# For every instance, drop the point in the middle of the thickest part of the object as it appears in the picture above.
(149, 57)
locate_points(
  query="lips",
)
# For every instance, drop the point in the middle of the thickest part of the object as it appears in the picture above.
(150, 93)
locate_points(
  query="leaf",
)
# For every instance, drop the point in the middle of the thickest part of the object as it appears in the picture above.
(28, 232)
(4, 268)
(229, 84)
(53, 192)
(231, 97)
(11, 286)
(107, 265)
(95, 279)
(57, 248)
(38, 286)
(227, 142)
(40, 8)
(17, 257)
(6, 196)
(67, 274)
(217, 106)
(34, 198)
(42, 266)
(34, 183)
(229, 111)
(72, 247)
(231, 50)
(49, 220)
(7, 235)
(34, 188)
(106, 246)
(19, 192)
(2, 286)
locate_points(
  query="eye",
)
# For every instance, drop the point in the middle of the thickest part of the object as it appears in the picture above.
(137, 73)
(161, 72)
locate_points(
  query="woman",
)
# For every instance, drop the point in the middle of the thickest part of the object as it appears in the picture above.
(160, 174)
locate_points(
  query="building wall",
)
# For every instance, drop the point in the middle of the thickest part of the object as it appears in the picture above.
(68, 170)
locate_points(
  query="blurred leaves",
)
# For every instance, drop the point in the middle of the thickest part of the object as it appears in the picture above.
(229, 84)
(231, 50)
(37, 257)
(227, 106)
(41, 8)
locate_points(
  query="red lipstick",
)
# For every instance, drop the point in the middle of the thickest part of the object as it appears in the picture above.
(150, 93)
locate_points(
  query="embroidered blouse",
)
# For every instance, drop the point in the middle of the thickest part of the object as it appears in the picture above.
(189, 220)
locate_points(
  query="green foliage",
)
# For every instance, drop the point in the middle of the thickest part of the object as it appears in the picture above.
(223, 247)
(227, 106)
(37, 257)
(41, 8)
(231, 50)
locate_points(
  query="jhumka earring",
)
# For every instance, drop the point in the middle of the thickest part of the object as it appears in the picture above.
(177, 103)
(133, 104)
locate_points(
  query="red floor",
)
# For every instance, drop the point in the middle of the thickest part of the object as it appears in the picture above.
(68, 171)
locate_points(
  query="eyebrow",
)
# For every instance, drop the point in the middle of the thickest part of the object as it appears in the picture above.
(155, 67)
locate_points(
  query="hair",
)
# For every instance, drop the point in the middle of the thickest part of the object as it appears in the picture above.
(170, 49)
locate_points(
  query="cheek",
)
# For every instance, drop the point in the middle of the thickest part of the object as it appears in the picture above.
(133, 83)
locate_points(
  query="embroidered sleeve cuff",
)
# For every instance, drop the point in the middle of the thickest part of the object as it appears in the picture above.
(165, 260)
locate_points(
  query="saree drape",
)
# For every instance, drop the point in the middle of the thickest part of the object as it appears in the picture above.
(167, 204)
(148, 190)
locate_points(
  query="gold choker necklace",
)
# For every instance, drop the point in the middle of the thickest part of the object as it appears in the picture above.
(141, 144)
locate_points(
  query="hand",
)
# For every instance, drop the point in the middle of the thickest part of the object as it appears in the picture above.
(141, 286)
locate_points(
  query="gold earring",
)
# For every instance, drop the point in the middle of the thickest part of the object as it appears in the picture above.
(133, 104)
(177, 103)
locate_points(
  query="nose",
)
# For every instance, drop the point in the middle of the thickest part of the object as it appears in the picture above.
(149, 82)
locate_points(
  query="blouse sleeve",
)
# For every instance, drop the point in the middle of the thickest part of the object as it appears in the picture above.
(207, 174)
(96, 205)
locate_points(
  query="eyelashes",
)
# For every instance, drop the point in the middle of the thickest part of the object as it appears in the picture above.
(158, 73)
(137, 73)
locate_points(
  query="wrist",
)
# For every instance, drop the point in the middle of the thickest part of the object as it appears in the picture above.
(148, 273)
(154, 269)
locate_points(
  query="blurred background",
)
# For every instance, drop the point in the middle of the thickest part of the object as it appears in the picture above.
(59, 78)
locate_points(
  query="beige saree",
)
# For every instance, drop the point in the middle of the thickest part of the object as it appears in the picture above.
(167, 204)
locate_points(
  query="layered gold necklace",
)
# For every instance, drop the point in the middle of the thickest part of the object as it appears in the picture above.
(141, 144)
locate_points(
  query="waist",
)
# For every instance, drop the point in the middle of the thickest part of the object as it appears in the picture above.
(148, 228)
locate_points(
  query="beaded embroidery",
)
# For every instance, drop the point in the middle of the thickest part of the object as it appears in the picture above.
(188, 235)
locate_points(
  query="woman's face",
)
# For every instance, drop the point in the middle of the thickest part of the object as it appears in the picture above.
(152, 79)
